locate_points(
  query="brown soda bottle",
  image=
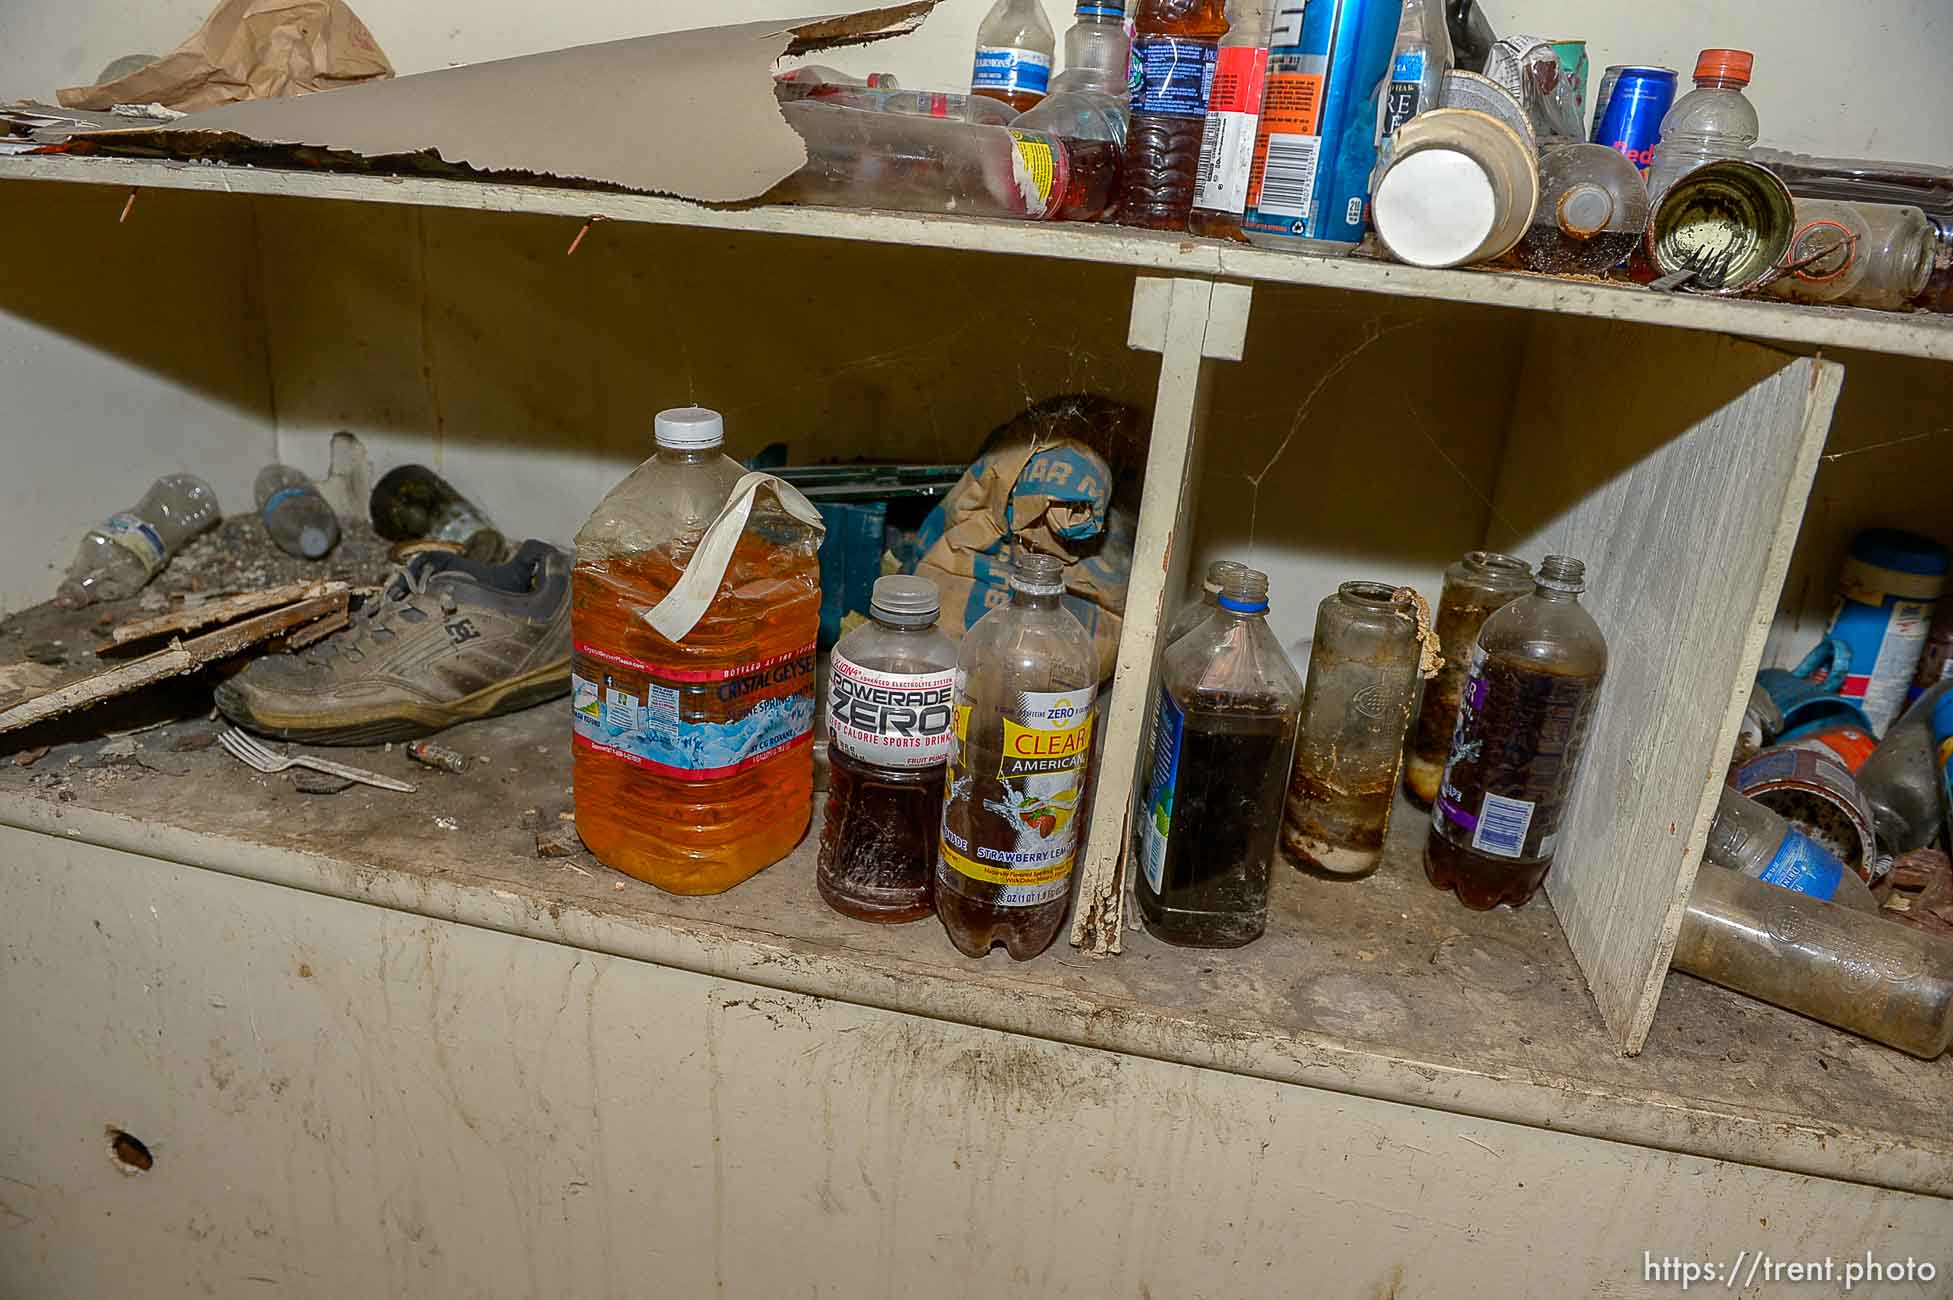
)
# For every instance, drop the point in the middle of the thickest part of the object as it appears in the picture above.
(891, 711)
(1475, 588)
(1026, 676)
(1176, 44)
(1515, 756)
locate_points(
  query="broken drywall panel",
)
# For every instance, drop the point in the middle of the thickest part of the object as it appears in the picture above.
(689, 114)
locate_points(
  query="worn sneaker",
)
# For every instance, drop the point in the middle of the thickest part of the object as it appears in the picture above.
(447, 640)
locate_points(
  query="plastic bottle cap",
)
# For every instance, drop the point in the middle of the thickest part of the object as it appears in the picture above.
(1435, 208)
(1585, 210)
(689, 428)
(313, 542)
(906, 599)
(1725, 65)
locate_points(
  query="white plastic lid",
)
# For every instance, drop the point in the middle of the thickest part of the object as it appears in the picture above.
(1435, 208)
(688, 428)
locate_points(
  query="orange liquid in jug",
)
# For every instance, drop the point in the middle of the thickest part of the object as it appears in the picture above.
(699, 836)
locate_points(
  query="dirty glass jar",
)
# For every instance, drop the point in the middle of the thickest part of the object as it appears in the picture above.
(1474, 587)
(1363, 676)
(1522, 730)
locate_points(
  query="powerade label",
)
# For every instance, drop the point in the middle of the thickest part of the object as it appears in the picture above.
(134, 535)
(1176, 76)
(1804, 865)
(902, 720)
(693, 724)
(1227, 143)
(1035, 790)
(1168, 727)
(1406, 80)
(1315, 146)
(1011, 71)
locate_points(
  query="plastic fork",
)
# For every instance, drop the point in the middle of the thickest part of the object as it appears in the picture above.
(254, 754)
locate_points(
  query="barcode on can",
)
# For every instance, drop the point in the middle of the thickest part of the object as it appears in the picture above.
(1210, 148)
(1502, 826)
(1288, 176)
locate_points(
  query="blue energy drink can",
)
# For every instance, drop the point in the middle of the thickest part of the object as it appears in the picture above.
(1629, 109)
(1315, 146)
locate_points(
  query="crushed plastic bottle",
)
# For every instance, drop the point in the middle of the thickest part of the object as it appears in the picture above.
(1013, 54)
(119, 556)
(891, 707)
(1211, 792)
(1177, 43)
(1713, 121)
(296, 516)
(1026, 677)
(1760, 843)
(693, 761)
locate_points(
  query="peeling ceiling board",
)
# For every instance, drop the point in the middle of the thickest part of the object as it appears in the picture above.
(689, 114)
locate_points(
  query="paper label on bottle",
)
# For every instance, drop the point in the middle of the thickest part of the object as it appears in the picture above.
(691, 723)
(1034, 170)
(1177, 76)
(1288, 145)
(1227, 144)
(1804, 865)
(1406, 83)
(1011, 71)
(136, 536)
(1035, 792)
(897, 720)
(1168, 727)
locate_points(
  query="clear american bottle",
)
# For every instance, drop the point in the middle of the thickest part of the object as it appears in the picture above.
(1026, 678)
(1527, 707)
(1210, 798)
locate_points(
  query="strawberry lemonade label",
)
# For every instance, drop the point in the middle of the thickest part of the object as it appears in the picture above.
(1034, 789)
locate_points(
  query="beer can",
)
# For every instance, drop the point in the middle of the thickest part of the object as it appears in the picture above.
(1315, 145)
(1629, 108)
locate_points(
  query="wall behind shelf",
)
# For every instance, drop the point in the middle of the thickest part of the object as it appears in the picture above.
(1863, 80)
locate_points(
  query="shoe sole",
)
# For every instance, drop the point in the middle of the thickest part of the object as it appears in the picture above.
(410, 721)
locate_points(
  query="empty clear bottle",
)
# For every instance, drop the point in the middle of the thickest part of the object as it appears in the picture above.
(1013, 54)
(1857, 254)
(1522, 731)
(1417, 66)
(1177, 44)
(1363, 675)
(1715, 120)
(1211, 791)
(1848, 968)
(1195, 612)
(1227, 138)
(1762, 844)
(891, 708)
(296, 516)
(126, 550)
(1026, 676)
(1476, 586)
(1090, 99)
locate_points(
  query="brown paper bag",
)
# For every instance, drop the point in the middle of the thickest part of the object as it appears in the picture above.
(250, 49)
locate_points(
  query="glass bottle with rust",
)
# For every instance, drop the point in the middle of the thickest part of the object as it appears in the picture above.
(1363, 677)
(1474, 588)
(1515, 755)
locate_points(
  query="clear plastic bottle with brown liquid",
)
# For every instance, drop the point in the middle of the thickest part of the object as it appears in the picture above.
(1176, 43)
(693, 760)
(1515, 756)
(1474, 588)
(891, 709)
(1026, 676)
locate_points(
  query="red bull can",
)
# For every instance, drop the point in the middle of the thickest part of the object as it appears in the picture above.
(1629, 108)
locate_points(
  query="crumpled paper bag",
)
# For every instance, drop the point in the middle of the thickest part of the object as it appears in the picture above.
(250, 49)
(1039, 487)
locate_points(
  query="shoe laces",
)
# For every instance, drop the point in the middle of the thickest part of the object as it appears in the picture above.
(400, 597)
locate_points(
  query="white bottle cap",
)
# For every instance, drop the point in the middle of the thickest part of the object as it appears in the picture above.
(688, 428)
